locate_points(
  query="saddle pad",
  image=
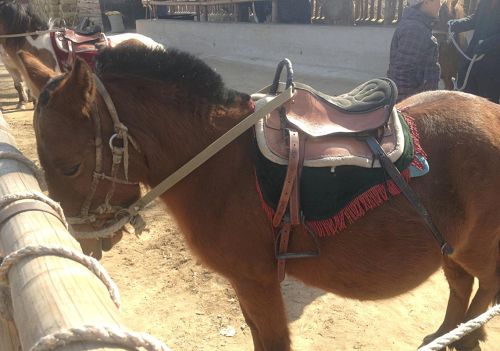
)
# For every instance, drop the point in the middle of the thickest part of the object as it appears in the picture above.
(327, 151)
(332, 198)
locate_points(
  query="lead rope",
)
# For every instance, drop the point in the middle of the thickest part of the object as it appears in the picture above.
(472, 60)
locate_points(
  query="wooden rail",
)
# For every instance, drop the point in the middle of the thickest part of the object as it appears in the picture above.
(205, 3)
(49, 293)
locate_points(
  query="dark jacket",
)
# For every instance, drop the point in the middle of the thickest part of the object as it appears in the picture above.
(413, 62)
(486, 24)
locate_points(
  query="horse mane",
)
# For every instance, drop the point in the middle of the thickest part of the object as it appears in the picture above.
(173, 66)
(20, 19)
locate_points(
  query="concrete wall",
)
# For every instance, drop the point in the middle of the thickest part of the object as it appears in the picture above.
(354, 53)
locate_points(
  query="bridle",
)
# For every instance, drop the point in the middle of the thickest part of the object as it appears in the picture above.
(120, 154)
(119, 144)
(131, 214)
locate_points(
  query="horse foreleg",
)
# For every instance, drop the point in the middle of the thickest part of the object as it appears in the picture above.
(253, 329)
(460, 283)
(264, 311)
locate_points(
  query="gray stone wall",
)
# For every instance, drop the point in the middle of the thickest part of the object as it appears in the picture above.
(69, 10)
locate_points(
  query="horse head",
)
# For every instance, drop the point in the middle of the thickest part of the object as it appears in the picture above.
(66, 131)
(74, 126)
(448, 55)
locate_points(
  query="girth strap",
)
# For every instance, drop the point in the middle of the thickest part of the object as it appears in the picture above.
(408, 192)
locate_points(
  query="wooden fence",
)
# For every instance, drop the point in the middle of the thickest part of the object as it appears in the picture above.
(49, 293)
(364, 11)
(385, 12)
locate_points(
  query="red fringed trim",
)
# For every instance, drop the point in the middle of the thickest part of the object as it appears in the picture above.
(357, 208)
(417, 148)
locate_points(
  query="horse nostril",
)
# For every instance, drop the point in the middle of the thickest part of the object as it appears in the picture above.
(246, 101)
(251, 104)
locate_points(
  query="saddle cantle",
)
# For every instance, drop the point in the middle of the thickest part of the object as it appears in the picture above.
(68, 44)
(331, 123)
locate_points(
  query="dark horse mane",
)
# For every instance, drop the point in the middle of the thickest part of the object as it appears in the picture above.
(17, 18)
(169, 65)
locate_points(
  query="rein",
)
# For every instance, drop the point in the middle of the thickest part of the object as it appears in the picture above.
(131, 214)
(29, 34)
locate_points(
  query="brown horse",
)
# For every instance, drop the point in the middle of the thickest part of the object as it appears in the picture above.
(174, 105)
(449, 57)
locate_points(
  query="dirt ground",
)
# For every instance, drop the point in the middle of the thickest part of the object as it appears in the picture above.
(168, 294)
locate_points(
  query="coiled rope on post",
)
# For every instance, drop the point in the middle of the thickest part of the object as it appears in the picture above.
(38, 250)
(107, 334)
(462, 330)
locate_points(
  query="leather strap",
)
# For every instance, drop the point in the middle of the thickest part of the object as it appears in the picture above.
(408, 192)
(71, 54)
(295, 215)
(282, 242)
(290, 197)
(290, 178)
(210, 150)
(25, 206)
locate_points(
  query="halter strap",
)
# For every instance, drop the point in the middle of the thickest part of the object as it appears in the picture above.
(29, 34)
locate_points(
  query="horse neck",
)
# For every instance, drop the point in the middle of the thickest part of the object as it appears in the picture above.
(169, 139)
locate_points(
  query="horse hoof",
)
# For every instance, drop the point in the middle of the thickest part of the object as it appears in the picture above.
(430, 338)
(21, 106)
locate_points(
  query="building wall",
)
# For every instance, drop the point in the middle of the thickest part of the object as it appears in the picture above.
(130, 9)
(69, 10)
(352, 53)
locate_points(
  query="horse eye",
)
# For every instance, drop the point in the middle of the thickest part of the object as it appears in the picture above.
(71, 171)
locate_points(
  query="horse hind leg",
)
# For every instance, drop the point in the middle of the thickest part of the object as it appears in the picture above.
(460, 283)
(488, 292)
(23, 95)
(264, 311)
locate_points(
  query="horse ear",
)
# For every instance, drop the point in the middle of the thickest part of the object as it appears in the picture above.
(37, 73)
(78, 87)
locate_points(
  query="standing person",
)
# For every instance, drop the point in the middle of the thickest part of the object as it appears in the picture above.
(484, 76)
(413, 64)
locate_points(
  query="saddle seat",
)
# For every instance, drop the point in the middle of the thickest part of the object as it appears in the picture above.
(329, 125)
(363, 108)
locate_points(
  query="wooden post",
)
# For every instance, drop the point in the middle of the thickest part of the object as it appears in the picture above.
(274, 11)
(9, 340)
(49, 293)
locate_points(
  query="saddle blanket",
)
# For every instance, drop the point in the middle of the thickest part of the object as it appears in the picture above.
(332, 198)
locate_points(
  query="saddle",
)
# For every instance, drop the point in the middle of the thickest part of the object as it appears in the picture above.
(313, 129)
(330, 125)
(68, 44)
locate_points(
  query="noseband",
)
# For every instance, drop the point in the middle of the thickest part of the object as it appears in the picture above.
(119, 144)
